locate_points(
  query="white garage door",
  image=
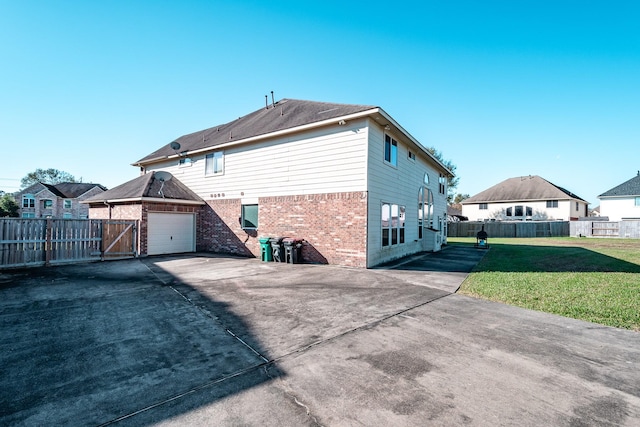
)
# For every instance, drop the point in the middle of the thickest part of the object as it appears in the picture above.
(170, 233)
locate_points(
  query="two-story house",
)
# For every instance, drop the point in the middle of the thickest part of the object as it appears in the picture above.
(62, 200)
(622, 201)
(347, 179)
(524, 198)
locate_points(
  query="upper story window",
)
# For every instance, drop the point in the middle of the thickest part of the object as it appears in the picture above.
(442, 184)
(47, 203)
(426, 178)
(66, 204)
(552, 203)
(28, 201)
(214, 163)
(390, 150)
(412, 155)
(184, 162)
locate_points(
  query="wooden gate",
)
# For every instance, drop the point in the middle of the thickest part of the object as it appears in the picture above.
(36, 242)
(118, 239)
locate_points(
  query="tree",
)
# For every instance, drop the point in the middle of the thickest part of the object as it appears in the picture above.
(452, 181)
(459, 198)
(8, 206)
(46, 176)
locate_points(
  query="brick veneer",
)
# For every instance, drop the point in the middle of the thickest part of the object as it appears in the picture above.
(333, 226)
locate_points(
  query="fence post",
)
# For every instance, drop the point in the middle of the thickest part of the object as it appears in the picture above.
(47, 243)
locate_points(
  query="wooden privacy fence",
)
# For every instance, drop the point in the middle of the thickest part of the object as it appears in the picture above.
(509, 228)
(36, 242)
(629, 229)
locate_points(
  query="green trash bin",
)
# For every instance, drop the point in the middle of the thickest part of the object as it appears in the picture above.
(266, 253)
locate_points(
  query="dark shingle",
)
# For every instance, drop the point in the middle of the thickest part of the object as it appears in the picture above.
(148, 186)
(284, 114)
(628, 188)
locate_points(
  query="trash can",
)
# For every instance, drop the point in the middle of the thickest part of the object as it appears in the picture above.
(292, 250)
(266, 254)
(276, 248)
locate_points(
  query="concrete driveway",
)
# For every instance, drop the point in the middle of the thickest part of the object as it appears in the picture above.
(211, 340)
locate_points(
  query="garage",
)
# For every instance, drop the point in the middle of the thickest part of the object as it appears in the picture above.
(170, 233)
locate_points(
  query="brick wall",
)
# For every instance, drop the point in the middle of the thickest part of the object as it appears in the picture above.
(333, 226)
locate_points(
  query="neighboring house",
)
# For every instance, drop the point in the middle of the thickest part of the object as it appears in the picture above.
(622, 202)
(56, 201)
(347, 179)
(525, 198)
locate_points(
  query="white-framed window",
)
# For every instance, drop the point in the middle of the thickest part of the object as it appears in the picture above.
(425, 180)
(637, 201)
(412, 155)
(47, 203)
(393, 222)
(28, 214)
(425, 209)
(28, 201)
(249, 217)
(390, 150)
(214, 163)
(552, 203)
(442, 184)
(184, 162)
(67, 203)
(483, 206)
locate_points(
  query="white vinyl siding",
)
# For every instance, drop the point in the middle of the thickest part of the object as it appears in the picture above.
(564, 210)
(313, 162)
(618, 208)
(399, 185)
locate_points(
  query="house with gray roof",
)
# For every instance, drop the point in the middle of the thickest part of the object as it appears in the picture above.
(622, 202)
(346, 179)
(525, 198)
(62, 200)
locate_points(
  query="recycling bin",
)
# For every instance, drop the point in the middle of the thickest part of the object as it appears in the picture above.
(277, 249)
(292, 250)
(266, 254)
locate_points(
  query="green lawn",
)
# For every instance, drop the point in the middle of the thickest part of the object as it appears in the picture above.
(597, 280)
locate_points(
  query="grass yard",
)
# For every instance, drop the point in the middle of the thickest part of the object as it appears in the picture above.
(597, 280)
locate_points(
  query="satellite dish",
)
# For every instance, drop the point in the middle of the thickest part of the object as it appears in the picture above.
(162, 176)
(175, 145)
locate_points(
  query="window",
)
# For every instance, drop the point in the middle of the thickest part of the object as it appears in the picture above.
(28, 201)
(519, 211)
(637, 201)
(552, 203)
(28, 214)
(214, 163)
(390, 150)
(67, 215)
(483, 206)
(442, 184)
(393, 224)
(249, 217)
(509, 211)
(47, 203)
(67, 204)
(529, 211)
(412, 155)
(184, 162)
(426, 179)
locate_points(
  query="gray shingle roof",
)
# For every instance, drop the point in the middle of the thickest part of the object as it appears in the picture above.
(71, 190)
(148, 186)
(282, 115)
(628, 188)
(523, 188)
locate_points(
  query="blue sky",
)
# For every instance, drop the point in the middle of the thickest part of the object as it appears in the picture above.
(501, 88)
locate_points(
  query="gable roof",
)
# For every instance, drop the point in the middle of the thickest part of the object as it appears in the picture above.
(65, 190)
(628, 188)
(153, 186)
(284, 116)
(523, 188)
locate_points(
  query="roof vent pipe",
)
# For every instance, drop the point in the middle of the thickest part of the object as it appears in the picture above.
(273, 101)
(266, 103)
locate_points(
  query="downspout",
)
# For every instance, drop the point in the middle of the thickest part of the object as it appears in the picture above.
(109, 206)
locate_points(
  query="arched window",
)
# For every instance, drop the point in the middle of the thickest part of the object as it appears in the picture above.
(425, 209)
